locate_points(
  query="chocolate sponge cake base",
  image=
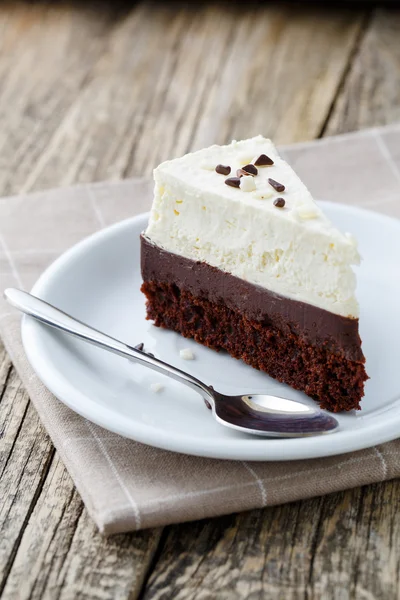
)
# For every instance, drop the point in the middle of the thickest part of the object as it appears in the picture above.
(328, 368)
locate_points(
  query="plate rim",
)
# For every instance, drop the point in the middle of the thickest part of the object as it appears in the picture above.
(257, 449)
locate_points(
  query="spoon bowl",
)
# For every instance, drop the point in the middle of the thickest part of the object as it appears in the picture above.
(265, 414)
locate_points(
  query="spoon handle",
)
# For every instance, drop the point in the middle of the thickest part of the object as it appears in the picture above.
(53, 317)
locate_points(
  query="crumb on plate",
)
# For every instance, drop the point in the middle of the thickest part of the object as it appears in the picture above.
(156, 387)
(186, 354)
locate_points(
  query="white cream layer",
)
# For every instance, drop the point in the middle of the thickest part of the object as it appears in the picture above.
(294, 251)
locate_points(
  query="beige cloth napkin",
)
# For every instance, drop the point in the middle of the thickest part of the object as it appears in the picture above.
(126, 485)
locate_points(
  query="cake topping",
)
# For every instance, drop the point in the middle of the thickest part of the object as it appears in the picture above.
(279, 202)
(307, 212)
(223, 169)
(233, 181)
(279, 187)
(251, 169)
(263, 161)
(247, 184)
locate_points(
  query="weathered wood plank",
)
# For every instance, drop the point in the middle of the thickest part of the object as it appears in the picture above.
(5, 370)
(341, 546)
(46, 54)
(357, 546)
(371, 92)
(25, 455)
(268, 74)
(175, 78)
(68, 558)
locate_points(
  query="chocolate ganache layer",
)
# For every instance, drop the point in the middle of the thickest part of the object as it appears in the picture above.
(317, 326)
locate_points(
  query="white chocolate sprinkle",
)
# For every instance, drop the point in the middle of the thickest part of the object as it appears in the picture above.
(247, 183)
(186, 354)
(156, 387)
(307, 212)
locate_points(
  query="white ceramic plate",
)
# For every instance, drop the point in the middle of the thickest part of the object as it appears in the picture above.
(98, 281)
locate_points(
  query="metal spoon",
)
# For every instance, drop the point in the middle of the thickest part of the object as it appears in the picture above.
(258, 414)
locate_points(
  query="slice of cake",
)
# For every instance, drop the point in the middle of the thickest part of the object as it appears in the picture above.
(238, 256)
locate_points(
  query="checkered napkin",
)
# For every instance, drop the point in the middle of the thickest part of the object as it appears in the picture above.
(126, 485)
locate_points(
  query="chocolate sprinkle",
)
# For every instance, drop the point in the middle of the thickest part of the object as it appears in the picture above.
(223, 169)
(251, 169)
(263, 161)
(279, 187)
(233, 181)
(279, 202)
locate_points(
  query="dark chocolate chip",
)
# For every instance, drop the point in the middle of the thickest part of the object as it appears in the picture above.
(279, 202)
(139, 346)
(279, 187)
(263, 161)
(206, 402)
(251, 169)
(223, 169)
(233, 181)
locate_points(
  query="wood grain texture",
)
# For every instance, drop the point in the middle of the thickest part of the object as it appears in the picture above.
(165, 80)
(5, 371)
(25, 455)
(370, 94)
(46, 56)
(68, 558)
(340, 546)
(89, 95)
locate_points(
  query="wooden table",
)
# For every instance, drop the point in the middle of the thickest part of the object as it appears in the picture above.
(92, 93)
